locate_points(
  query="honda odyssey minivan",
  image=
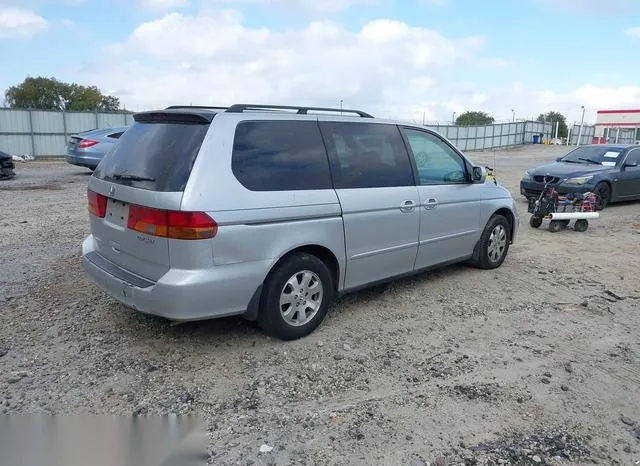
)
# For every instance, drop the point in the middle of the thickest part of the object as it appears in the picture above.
(269, 212)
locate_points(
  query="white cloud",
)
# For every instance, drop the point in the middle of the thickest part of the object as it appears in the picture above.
(387, 67)
(633, 32)
(164, 4)
(592, 97)
(20, 23)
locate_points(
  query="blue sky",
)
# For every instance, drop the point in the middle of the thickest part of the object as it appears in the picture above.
(404, 59)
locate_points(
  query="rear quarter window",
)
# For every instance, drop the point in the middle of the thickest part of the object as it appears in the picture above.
(280, 156)
(157, 156)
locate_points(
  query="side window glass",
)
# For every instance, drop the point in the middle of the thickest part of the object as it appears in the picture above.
(367, 155)
(115, 135)
(634, 156)
(280, 156)
(437, 163)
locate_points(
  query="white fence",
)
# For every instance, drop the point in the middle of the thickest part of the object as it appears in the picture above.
(44, 133)
(470, 138)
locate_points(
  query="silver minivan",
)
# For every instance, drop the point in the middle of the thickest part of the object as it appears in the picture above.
(270, 212)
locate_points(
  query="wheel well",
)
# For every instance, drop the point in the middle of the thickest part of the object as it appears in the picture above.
(506, 213)
(608, 183)
(322, 253)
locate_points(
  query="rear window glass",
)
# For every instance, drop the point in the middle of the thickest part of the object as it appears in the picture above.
(157, 156)
(367, 155)
(280, 156)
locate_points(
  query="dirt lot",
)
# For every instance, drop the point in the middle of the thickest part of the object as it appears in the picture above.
(537, 362)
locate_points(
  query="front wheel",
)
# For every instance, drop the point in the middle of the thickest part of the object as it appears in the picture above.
(493, 246)
(296, 297)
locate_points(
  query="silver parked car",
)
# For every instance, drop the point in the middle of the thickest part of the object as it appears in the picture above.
(87, 149)
(270, 213)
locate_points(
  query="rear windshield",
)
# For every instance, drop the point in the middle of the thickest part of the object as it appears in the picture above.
(157, 156)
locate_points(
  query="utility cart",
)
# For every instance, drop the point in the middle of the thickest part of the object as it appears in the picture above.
(561, 210)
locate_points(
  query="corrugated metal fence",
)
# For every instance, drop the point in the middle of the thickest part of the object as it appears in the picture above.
(43, 133)
(468, 138)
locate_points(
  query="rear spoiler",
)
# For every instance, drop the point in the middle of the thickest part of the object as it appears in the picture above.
(173, 116)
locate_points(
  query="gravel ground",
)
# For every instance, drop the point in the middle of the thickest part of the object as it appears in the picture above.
(537, 362)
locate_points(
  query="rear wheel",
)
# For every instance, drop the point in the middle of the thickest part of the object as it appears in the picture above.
(603, 191)
(581, 225)
(535, 222)
(296, 297)
(493, 246)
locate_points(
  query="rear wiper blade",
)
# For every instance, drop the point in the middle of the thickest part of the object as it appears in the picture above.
(132, 178)
(589, 160)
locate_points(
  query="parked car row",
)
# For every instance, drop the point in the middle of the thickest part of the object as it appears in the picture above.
(269, 212)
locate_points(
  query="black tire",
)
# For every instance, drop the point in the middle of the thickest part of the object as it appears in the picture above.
(603, 191)
(481, 256)
(271, 318)
(581, 225)
(535, 222)
(555, 226)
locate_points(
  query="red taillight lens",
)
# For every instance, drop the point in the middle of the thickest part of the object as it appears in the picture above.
(171, 224)
(97, 204)
(87, 143)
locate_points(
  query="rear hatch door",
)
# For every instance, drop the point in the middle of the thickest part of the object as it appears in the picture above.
(147, 169)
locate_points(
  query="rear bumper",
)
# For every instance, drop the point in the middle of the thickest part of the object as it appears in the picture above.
(180, 295)
(533, 189)
(88, 161)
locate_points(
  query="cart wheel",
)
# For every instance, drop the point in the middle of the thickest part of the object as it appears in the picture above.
(581, 225)
(555, 226)
(535, 222)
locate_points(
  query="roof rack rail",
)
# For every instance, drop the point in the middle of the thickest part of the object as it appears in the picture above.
(239, 108)
(202, 107)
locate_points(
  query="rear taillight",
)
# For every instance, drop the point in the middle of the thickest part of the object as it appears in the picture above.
(97, 204)
(87, 143)
(171, 224)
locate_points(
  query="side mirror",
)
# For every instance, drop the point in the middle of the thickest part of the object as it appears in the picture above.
(559, 159)
(630, 164)
(479, 175)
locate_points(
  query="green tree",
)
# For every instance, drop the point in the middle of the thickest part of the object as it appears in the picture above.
(554, 117)
(51, 94)
(474, 119)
